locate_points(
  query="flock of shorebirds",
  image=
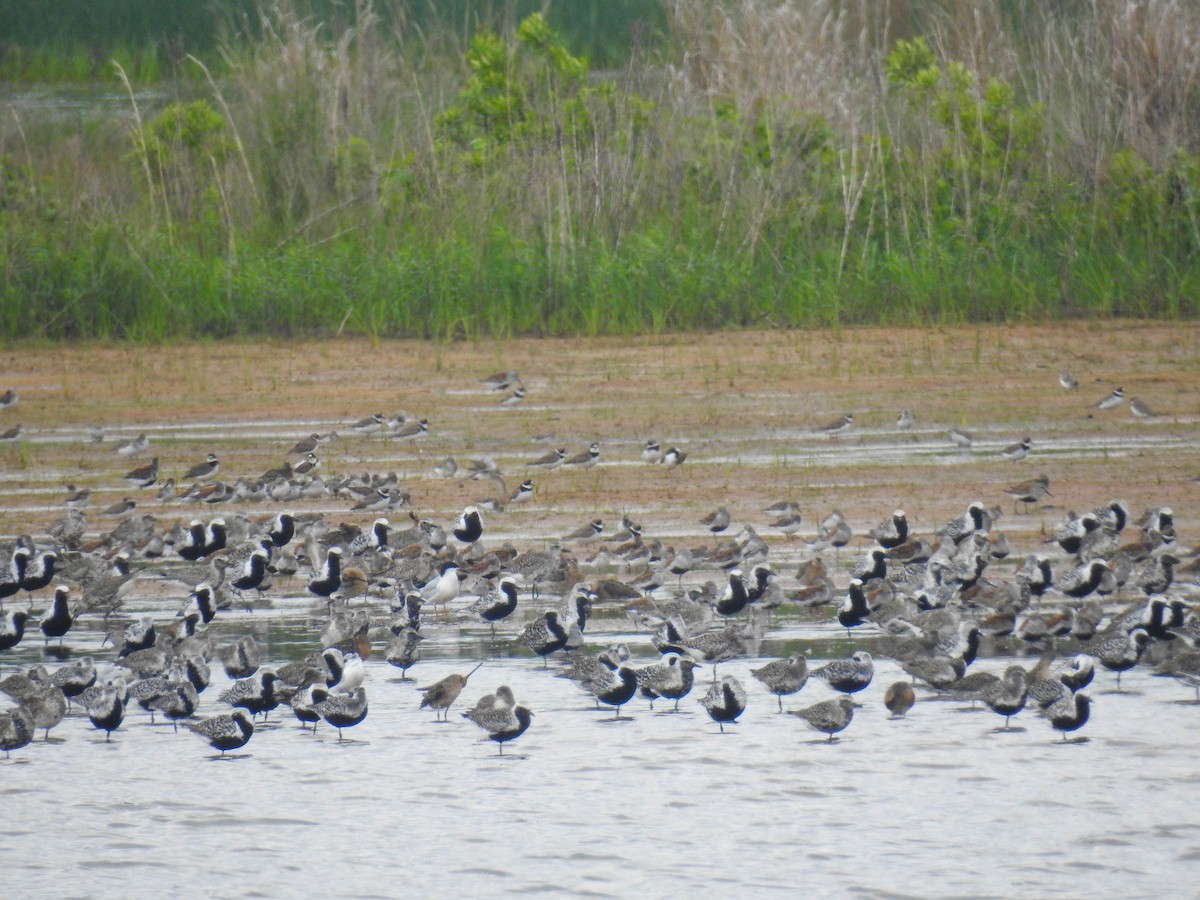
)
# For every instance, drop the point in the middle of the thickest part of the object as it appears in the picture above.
(1111, 583)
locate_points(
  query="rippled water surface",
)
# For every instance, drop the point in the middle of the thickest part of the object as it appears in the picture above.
(943, 803)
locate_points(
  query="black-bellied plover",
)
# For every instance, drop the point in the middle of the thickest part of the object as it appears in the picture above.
(848, 675)
(225, 732)
(341, 710)
(783, 677)
(725, 701)
(828, 716)
(1070, 713)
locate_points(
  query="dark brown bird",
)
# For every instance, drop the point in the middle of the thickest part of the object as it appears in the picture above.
(441, 694)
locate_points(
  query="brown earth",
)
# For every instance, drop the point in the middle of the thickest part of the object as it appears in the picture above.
(743, 405)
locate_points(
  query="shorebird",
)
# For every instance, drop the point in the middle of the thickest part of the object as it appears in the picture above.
(225, 732)
(783, 676)
(584, 459)
(368, 425)
(1007, 695)
(1113, 400)
(522, 493)
(204, 470)
(440, 694)
(671, 679)
(346, 670)
(673, 457)
(143, 476)
(828, 716)
(498, 603)
(133, 446)
(501, 381)
(838, 425)
(16, 729)
(899, 699)
(255, 694)
(327, 582)
(906, 420)
(592, 529)
(513, 398)
(13, 433)
(341, 710)
(725, 701)
(717, 520)
(652, 452)
(615, 687)
(105, 705)
(403, 651)
(544, 636)
(1070, 713)
(1017, 451)
(412, 430)
(58, 621)
(8, 399)
(1122, 652)
(848, 675)
(1029, 492)
(960, 438)
(550, 460)
(1141, 410)
(1068, 381)
(469, 527)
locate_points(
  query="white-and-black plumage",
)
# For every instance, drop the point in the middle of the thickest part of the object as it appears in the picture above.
(724, 701)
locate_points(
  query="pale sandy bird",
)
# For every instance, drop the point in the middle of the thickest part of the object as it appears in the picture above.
(838, 425)
(1068, 381)
(906, 420)
(960, 438)
(1030, 491)
(1141, 409)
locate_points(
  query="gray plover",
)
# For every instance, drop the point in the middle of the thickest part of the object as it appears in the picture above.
(725, 701)
(783, 676)
(1122, 652)
(16, 729)
(341, 710)
(828, 716)
(1070, 713)
(848, 675)
(1007, 695)
(225, 732)
(671, 679)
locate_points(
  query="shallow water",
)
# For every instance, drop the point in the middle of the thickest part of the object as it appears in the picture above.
(657, 804)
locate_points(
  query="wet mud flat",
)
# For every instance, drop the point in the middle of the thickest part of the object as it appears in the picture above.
(945, 802)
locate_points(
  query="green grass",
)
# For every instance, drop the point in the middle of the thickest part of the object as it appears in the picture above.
(321, 181)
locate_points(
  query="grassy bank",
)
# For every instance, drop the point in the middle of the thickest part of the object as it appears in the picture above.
(762, 165)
